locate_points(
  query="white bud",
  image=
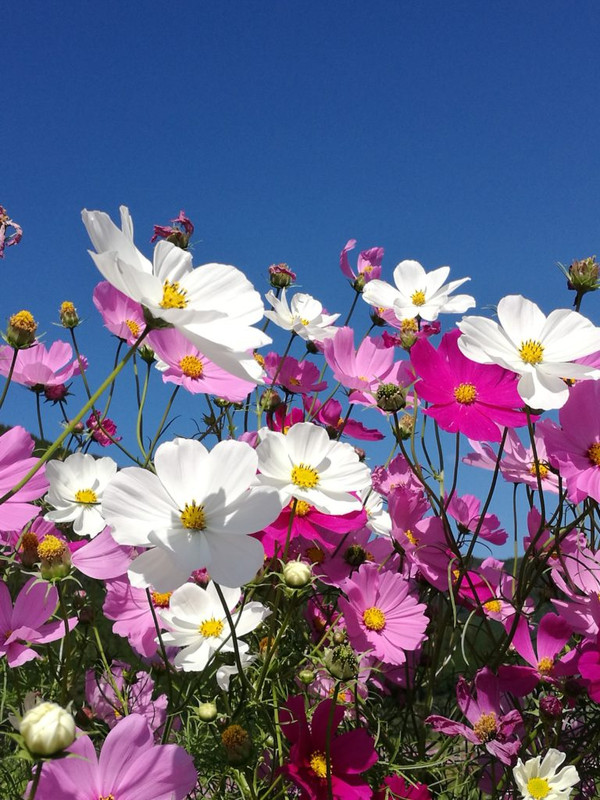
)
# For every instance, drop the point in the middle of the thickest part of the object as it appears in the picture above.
(47, 728)
(297, 574)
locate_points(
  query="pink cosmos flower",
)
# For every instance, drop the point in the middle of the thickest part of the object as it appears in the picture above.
(102, 429)
(368, 266)
(37, 366)
(485, 708)
(16, 447)
(363, 369)
(329, 414)
(130, 766)
(574, 448)
(101, 557)
(475, 399)
(356, 549)
(351, 754)
(397, 473)
(382, 615)
(27, 621)
(588, 665)
(128, 607)
(183, 364)
(295, 376)
(396, 788)
(492, 590)
(466, 511)
(122, 316)
(8, 239)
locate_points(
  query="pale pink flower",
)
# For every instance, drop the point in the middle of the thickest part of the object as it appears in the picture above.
(295, 376)
(122, 316)
(368, 264)
(362, 369)
(16, 447)
(38, 366)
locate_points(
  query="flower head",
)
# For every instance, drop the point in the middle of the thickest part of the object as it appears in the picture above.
(540, 779)
(303, 315)
(16, 447)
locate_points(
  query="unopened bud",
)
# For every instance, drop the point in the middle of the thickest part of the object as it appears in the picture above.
(583, 275)
(281, 276)
(269, 400)
(21, 330)
(342, 663)
(550, 707)
(391, 397)
(54, 556)
(296, 574)
(406, 425)
(306, 676)
(68, 315)
(146, 354)
(207, 712)
(47, 729)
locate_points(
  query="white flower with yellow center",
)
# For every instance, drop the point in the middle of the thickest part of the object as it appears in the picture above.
(214, 305)
(195, 511)
(540, 349)
(544, 781)
(418, 293)
(77, 486)
(197, 622)
(307, 465)
(302, 315)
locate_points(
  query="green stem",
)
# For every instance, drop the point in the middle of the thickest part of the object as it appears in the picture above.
(9, 376)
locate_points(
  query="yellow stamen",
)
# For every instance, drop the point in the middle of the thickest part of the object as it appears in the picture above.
(486, 727)
(86, 497)
(318, 764)
(374, 619)
(191, 366)
(51, 548)
(133, 327)
(211, 628)
(495, 606)
(305, 321)
(302, 507)
(315, 554)
(531, 352)
(23, 321)
(465, 393)
(173, 296)
(545, 665)
(594, 454)
(192, 517)
(304, 476)
(538, 788)
(234, 735)
(259, 359)
(410, 325)
(67, 307)
(160, 599)
(29, 542)
(411, 537)
(543, 470)
(418, 298)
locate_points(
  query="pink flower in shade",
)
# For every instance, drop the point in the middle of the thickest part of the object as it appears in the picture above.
(491, 589)
(356, 549)
(37, 366)
(8, 239)
(295, 376)
(484, 707)
(466, 512)
(135, 688)
(395, 787)
(329, 414)
(477, 400)
(27, 621)
(517, 464)
(181, 363)
(552, 635)
(16, 447)
(588, 666)
(574, 448)
(368, 266)
(425, 545)
(363, 369)
(351, 753)
(397, 473)
(128, 607)
(122, 316)
(102, 429)
(382, 615)
(130, 766)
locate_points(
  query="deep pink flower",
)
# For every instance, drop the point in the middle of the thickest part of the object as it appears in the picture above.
(588, 666)
(478, 400)
(8, 239)
(329, 414)
(122, 316)
(382, 615)
(368, 266)
(102, 429)
(351, 754)
(130, 766)
(37, 366)
(27, 621)
(299, 377)
(397, 473)
(16, 447)
(354, 550)
(396, 788)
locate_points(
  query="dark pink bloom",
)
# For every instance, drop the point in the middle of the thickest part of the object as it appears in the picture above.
(179, 232)
(368, 266)
(130, 766)
(478, 400)
(381, 614)
(351, 753)
(39, 367)
(122, 316)
(16, 447)
(329, 414)
(396, 788)
(466, 511)
(484, 707)
(397, 473)
(27, 621)
(299, 377)
(407, 335)
(8, 239)
(356, 549)
(102, 429)
(588, 666)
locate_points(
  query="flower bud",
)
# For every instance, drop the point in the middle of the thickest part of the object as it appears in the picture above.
(207, 712)
(281, 276)
(376, 319)
(237, 743)
(55, 558)
(391, 397)
(269, 400)
(406, 425)
(21, 330)
(47, 729)
(68, 315)
(55, 393)
(28, 549)
(306, 676)
(550, 707)
(146, 354)
(296, 574)
(342, 662)
(583, 275)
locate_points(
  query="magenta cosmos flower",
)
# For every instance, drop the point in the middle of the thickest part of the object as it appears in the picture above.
(350, 754)
(27, 621)
(475, 399)
(396, 788)
(368, 265)
(381, 615)
(37, 366)
(130, 766)
(16, 447)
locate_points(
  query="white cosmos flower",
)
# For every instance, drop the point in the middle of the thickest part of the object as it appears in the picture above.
(77, 485)
(302, 315)
(214, 305)
(418, 293)
(378, 519)
(197, 622)
(541, 781)
(196, 511)
(307, 465)
(540, 349)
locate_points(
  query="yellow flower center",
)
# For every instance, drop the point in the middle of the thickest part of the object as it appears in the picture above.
(543, 470)
(265, 644)
(315, 554)
(545, 665)
(259, 359)
(531, 352)
(302, 507)
(411, 537)
(294, 381)
(411, 325)
(234, 736)
(538, 788)
(305, 477)
(486, 727)
(594, 454)
(23, 321)
(374, 618)
(418, 298)
(133, 327)
(67, 307)
(160, 599)
(191, 366)
(86, 497)
(305, 321)
(211, 628)
(192, 517)
(493, 605)
(107, 797)
(318, 764)
(465, 393)
(173, 296)
(51, 548)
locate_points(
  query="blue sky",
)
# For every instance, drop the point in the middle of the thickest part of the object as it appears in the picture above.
(461, 133)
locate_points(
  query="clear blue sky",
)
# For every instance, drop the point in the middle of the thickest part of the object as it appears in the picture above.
(460, 133)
